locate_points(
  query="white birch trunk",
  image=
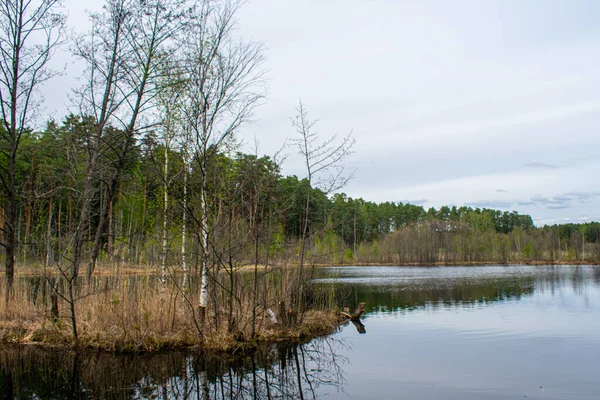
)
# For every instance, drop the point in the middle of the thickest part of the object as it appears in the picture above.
(163, 271)
(184, 227)
(204, 244)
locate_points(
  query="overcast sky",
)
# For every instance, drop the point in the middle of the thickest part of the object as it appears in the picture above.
(483, 103)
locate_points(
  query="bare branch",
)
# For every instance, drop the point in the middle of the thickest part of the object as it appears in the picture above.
(322, 158)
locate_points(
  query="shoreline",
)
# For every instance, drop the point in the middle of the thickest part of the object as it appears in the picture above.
(238, 350)
(115, 336)
(433, 264)
(316, 324)
(107, 270)
(461, 264)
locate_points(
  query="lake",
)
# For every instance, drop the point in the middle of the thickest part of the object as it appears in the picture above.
(493, 332)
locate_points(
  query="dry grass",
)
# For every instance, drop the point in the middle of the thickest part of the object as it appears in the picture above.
(134, 313)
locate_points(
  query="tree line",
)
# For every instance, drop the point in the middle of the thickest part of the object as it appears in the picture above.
(241, 185)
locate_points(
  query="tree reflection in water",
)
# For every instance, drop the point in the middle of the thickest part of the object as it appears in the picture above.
(277, 372)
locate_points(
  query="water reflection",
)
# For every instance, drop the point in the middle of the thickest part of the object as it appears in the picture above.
(472, 332)
(403, 289)
(461, 332)
(276, 372)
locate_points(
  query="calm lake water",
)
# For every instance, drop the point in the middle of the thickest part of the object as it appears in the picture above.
(489, 332)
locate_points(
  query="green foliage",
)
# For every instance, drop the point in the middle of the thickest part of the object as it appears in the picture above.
(248, 197)
(528, 251)
(349, 255)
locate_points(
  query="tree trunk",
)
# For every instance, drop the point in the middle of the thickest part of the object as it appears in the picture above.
(184, 227)
(49, 235)
(204, 244)
(9, 227)
(84, 216)
(300, 294)
(163, 269)
(58, 233)
(104, 210)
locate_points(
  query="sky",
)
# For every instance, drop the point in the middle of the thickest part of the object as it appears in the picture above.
(481, 103)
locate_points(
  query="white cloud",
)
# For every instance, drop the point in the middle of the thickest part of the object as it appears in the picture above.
(448, 102)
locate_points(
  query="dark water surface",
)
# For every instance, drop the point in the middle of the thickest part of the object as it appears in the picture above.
(431, 333)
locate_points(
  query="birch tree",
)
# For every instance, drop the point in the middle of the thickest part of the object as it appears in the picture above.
(107, 56)
(30, 32)
(186, 163)
(224, 84)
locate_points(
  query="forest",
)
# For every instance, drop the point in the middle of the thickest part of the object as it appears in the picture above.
(149, 177)
(340, 229)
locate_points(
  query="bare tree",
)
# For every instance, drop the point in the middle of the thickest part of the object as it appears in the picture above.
(107, 56)
(155, 25)
(124, 52)
(323, 160)
(30, 31)
(224, 85)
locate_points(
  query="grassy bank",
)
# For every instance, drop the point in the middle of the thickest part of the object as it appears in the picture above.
(136, 312)
(109, 336)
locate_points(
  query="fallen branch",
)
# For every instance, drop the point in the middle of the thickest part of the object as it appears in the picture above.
(357, 313)
(346, 318)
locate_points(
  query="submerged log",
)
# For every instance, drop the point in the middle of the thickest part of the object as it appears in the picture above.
(359, 326)
(357, 313)
(346, 318)
(345, 315)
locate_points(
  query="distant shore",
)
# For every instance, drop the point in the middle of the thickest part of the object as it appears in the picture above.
(457, 264)
(107, 270)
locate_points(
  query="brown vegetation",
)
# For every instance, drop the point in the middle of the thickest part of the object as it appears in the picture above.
(134, 312)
